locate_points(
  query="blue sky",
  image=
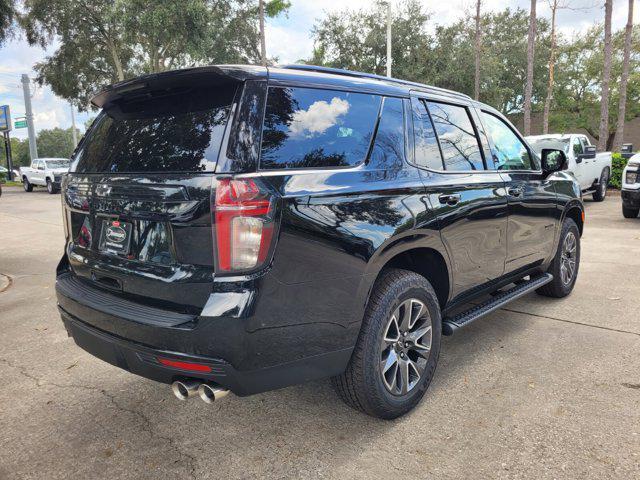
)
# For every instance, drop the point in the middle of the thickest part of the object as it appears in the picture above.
(288, 38)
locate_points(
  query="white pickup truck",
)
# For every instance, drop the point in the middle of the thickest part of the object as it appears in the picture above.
(45, 172)
(591, 169)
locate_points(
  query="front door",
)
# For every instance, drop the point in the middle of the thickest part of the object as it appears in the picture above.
(532, 198)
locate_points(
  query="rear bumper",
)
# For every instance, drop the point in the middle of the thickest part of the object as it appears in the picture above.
(143, 361)
(630, 198)
(244, 351)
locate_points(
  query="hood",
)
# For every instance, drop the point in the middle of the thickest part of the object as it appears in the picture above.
(60, 170)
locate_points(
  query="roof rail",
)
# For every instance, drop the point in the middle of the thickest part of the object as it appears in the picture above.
(351, 73)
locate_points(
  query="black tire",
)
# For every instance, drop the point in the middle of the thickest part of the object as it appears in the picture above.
(630, 212)
(26, 185)
(559, 287)
(601, 190)
(51, 189)
(362, 386)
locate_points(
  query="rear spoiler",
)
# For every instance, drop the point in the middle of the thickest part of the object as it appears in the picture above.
(198, 76)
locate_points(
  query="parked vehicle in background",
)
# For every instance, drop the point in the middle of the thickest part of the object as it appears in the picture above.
(238, 228)
(631, 187)
(591, 169)
(44, 172)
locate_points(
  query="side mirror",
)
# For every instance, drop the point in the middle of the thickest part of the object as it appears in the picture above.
(589, 153)
(553, 160)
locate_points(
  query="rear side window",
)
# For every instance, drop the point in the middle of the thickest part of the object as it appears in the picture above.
(427, 151)
(169, 132)
(388, 148)
(458, 141)
(312, 128)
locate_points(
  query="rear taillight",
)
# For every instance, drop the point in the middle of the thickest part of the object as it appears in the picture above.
(244, 225)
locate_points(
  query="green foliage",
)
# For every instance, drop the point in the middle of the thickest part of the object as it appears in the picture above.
(275, 7)
(579, 70)
(357, 41)
(56, 142)
(104, 41)
(19, 153)
(7, 16)
(617, 166)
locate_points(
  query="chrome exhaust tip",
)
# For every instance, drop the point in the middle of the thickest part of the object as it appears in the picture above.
(211, 393)
(184, 389)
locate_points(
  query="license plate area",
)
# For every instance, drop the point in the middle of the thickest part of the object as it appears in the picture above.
(115, 237)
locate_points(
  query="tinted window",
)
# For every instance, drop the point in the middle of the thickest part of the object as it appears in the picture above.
(458, 141)
(509, 152)
(173, 132)
(306, 128)
(427, 151)
(388, 148)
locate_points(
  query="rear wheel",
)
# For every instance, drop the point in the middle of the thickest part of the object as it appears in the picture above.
(26, 185)
(630, 212)
(601, 191)
(565, 264)
(397, 351)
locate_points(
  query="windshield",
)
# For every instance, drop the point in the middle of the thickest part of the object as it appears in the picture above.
(175, 132)
(555, 143)
(62, 163)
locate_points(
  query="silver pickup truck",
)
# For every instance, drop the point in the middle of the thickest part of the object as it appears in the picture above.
(591, 169)
(45, 172)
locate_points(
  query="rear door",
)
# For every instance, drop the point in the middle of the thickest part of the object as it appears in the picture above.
(532, 198)
(138, 196)
(582, 165)
(469, 201)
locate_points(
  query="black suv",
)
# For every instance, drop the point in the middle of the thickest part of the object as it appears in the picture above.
(238, 228)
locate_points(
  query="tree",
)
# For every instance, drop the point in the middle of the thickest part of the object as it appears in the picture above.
(103, 41)
(555, 5)
(531, 41)
(272, 9)
(357, 40)
(606, 77)
(56, 142)
(624, 80)
(7, 16)
(477, 50)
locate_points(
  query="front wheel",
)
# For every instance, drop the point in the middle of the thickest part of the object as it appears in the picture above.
(50, 187)
(601, 191)
(565, 264)
(630, 212)
(396, 354)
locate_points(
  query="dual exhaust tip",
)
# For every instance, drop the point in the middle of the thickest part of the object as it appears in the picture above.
(185, 389)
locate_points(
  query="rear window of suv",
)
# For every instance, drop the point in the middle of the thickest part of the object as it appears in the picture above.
(313, 128)
(177, 131)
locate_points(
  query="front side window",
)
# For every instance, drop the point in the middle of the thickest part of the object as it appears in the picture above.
(312, 128)
(577, 146)
(509, 153)
(458, 141)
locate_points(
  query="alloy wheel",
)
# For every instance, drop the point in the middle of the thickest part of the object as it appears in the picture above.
(405, 346)
(568, 258)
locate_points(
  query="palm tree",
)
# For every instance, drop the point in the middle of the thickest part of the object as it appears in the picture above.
(603, 134)
(528, 92)
(624, 79)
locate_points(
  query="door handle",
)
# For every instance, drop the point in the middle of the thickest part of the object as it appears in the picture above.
(449, 199)
(515, 191)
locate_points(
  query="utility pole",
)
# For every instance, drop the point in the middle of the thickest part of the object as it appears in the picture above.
(73, 127)
(33, 148)
(389, 59)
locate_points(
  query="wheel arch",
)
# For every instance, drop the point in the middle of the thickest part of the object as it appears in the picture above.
(575, 211)
(425, 261)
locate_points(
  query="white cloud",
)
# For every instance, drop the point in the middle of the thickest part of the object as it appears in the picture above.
(318, 117)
